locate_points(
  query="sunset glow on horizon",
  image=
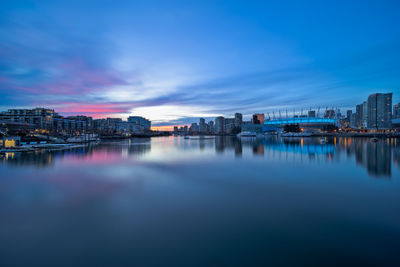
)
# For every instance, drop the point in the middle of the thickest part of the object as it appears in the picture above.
(166, 127)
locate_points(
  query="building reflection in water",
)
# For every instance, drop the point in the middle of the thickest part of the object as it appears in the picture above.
(97, 153)
(376, 157)
(37, 159)
(258, 149)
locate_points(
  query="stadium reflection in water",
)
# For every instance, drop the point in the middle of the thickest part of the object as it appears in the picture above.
(376, 157)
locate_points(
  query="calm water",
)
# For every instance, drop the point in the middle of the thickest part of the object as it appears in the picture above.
(172, 201)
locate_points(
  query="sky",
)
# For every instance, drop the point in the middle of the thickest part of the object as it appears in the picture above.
(176, 61)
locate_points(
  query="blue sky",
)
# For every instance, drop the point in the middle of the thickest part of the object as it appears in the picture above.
(172, 61)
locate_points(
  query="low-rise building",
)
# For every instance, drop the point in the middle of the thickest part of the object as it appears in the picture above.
(40, 118)
(10, 141)
(145, 124)
(258, 118)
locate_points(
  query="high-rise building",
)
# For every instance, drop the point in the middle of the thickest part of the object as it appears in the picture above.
(338, 114)
(364, 118)
(329, 113)
(211, 127)
(358, 116)
(229, 124)
(258, 118)
(380, 111)
(194, 127)
(353, 120)
(238, 119)
(348, 114)
(396, 111)
(202, 125)
(219, 125)
(311, 113)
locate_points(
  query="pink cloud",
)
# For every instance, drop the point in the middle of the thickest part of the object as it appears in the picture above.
(72, 77)
(98, 110)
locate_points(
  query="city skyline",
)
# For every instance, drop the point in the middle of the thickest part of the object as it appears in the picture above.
(185, 60)
(381, 115)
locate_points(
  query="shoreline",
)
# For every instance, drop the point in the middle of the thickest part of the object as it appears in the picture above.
(47, 147)
(66, 146)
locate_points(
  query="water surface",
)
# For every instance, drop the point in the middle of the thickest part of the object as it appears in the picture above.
(177, 202)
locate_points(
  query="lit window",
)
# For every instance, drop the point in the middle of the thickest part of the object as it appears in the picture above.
(9, 143)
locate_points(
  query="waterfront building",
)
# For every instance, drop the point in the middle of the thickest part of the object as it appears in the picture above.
(47, 120)
(396, 111)
(112, 123)
(238, 119)
(219, 125)
(229, 125)
(344, 123)
(358, 117)
(253, 128)
(380, 111)
(211, 127)
(143, 122)
(69, 125)
(10, 141)
(40, 118)
(126, 127)
(258, 118)
(202, 125)
(353, 121)
(364, 118)
(311, 113)
(99, 125)
(194, 128)
(84, 123)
